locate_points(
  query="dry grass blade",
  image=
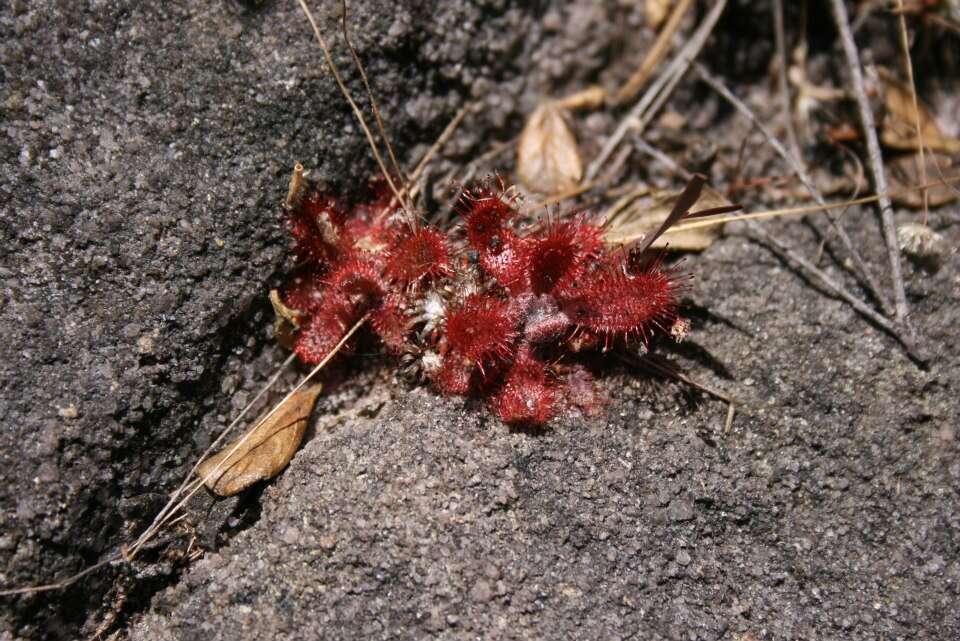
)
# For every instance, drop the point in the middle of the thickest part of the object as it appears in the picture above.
(908, 63)
(412, 187)
(191, 486)
(798, 211)
(681, 208)
(265, 451)
(370, 96)
(356, 109)
(653, 58)
(784, 84)
(632, 220)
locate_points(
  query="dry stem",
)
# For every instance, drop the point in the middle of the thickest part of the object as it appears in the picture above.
(640, 114)
(865, 310)
(356, 110)
(908, 63)
(370, 96)
(798, 211)
(164, 517)
(785, 101)
(876, 163)
(738, 104)
(654, 56)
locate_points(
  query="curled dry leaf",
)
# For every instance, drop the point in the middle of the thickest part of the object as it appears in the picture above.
(548, 160)
(899, 128)
(265, 451)
(641, 212)
(903, 176)
(287, 320)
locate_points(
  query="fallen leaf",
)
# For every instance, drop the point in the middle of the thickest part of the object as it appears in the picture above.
(287, 320)
(903, 175)
(548, 160)
(263, 453)
(655, 12)
(629, 221)
(899, 127)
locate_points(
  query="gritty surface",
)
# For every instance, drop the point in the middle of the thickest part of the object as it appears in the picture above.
(143, 151)
(828, 511)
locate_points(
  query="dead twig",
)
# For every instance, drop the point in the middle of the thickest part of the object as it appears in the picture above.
(876, 164)
(908, 63)
(165, 516)
(370, 96)
(659, 91)
(801, 173)
(434, 150)
(158, 523)
(187, 485)
(641, 144)
(838, 290)
(356, 111)
(654, 56)
(785, 101)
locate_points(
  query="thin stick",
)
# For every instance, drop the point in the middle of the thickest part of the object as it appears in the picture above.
(908, 63)
(876, 162)
(356, 109)
(559, 198)
(664, 85)
(674, 373)
(738, 104)
(197, 485)
(366, 84)
(785, 101)
(641, 144)
(838, 290)
(655, 55)
(435, 149)
(58, 585)
(794, 211)
(170, 507)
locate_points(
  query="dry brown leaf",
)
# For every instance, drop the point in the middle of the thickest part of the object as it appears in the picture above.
(899, 128)
(265, 452)
(655, 11)
(548, 160)
(903, 174)
(629, 221)
(287, 320)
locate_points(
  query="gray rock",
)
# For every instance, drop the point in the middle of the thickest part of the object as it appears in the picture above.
(144, 148)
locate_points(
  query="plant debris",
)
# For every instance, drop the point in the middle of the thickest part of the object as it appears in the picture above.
(548, 160)
(904, 172)
(634, 215)
(899, 129)
(262, 453)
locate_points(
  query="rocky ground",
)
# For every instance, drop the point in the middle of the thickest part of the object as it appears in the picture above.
(145, 148)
